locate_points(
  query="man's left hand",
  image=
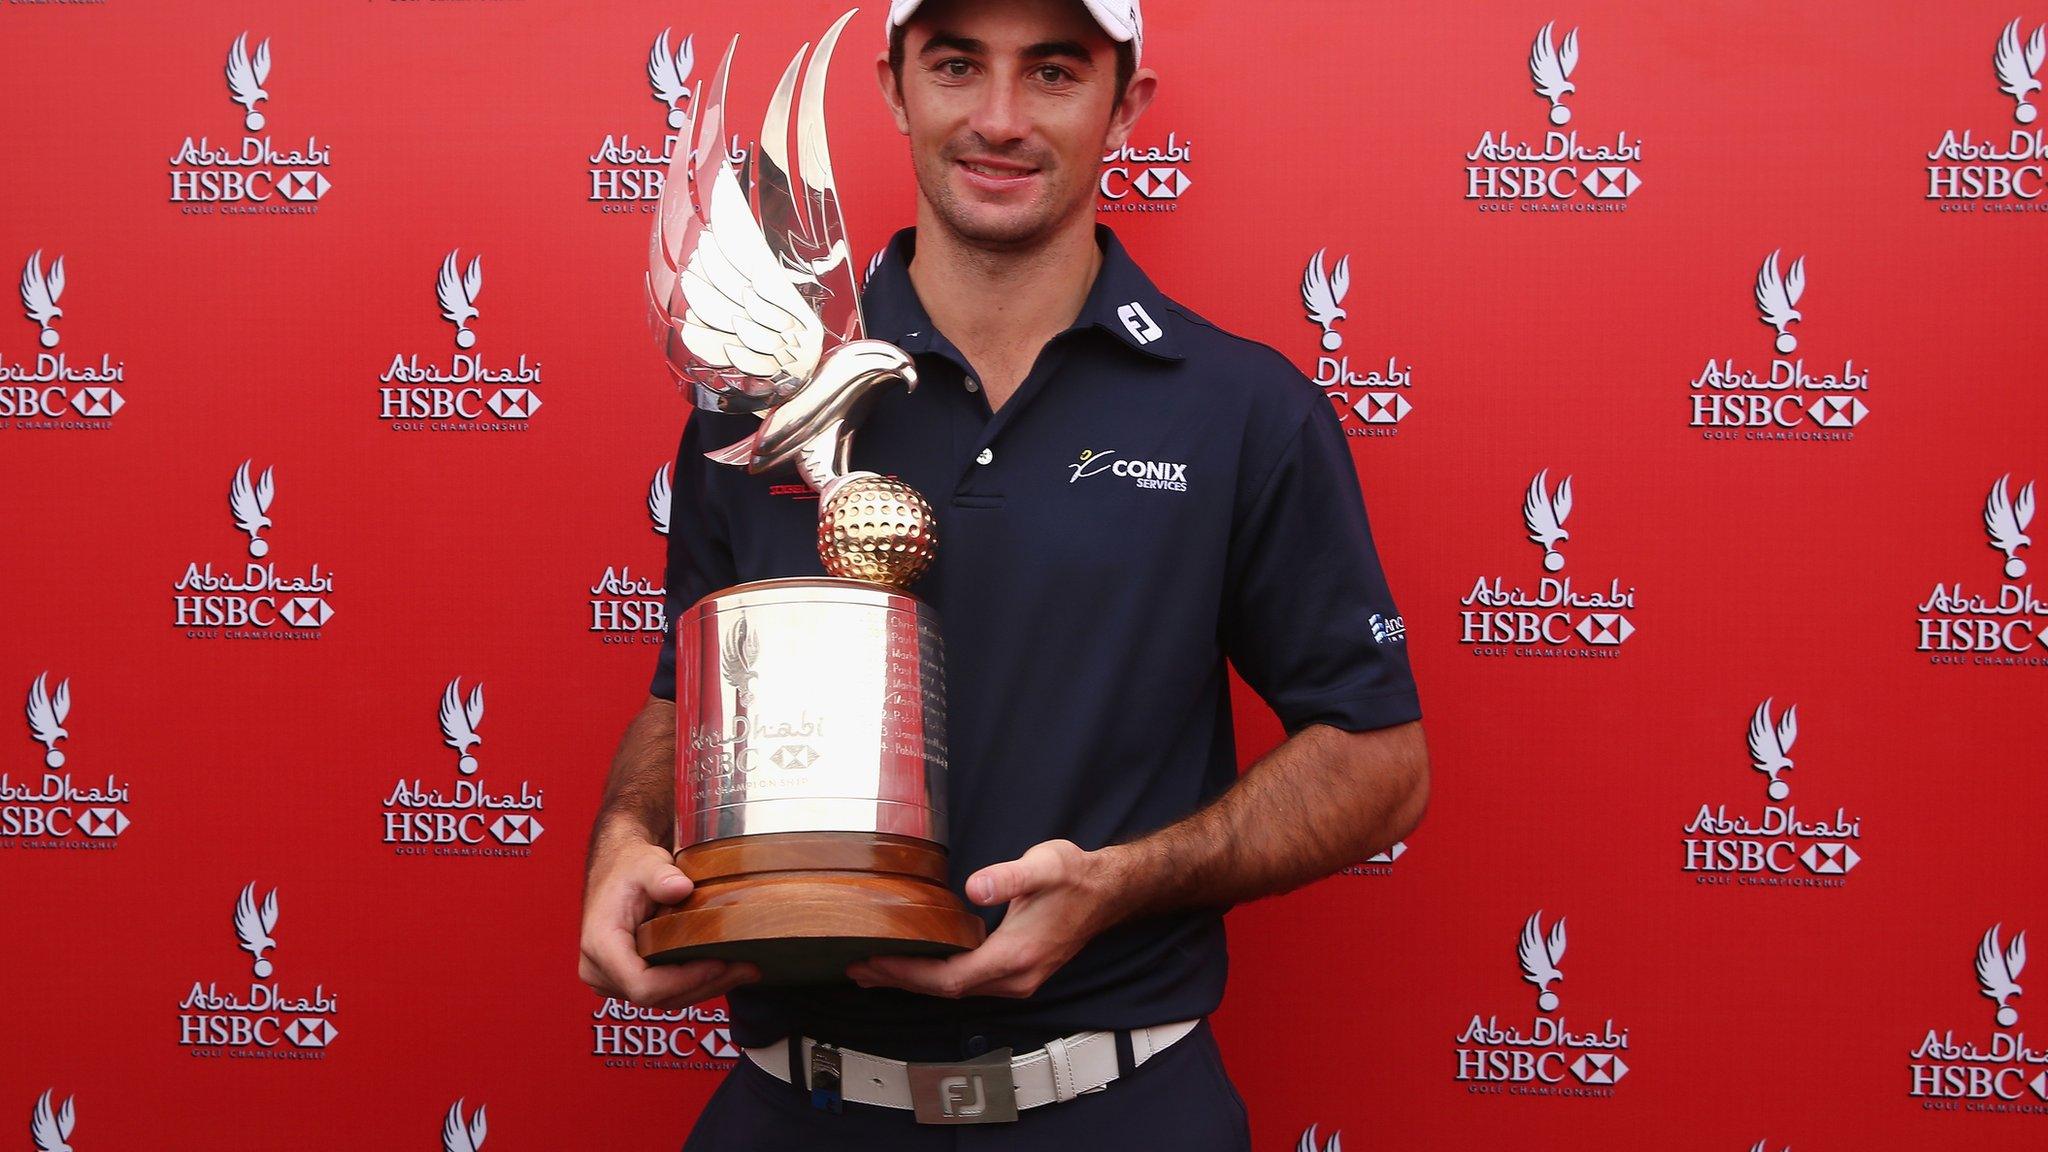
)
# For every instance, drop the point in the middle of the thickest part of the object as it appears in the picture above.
(1060, 897)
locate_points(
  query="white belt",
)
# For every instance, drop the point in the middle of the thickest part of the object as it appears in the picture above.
(1063, 1069)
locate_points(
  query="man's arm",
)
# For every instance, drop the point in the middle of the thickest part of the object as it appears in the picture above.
(1323, 799)
(630, 874)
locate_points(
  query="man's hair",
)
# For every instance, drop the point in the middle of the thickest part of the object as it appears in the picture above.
(1126, 64)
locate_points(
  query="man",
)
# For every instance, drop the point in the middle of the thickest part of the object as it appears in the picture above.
(1127, 498)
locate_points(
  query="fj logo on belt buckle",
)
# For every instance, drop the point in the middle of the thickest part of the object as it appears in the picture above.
(981, 1091)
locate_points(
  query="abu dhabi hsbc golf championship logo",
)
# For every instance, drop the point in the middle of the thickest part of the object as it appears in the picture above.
(1546, 1058)
(253, 601)
(1778, 846)
(252, 175)
(630, 609)
(1372, 403)
(264, 1022)
(627, 1035)
(1557, 172)
(464, 817)
(1996, 1071)
(2002, 170)
(1989, 622)
(1148, 179)
(1782, 401)
(1558, 617)
(48, 805)
(464, 393)
(49, 389)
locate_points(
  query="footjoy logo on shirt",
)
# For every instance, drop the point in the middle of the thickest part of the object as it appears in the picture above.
(1143, 473)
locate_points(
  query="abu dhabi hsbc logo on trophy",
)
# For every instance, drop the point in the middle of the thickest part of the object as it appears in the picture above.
(460, 815)
(1974, 1069)
(1148, 179)
(1559, 617)
(1545, 1058)
(1772, 844)
(262, 1021)
(1371, 403)
(1783, 402)
(249, 174)
(465, 393)
(49, 805)
(1558, 171)
(2000, 170)
(48, 389)
(627, 1035)
(253, 600)
(630, 609)
(1985, 621)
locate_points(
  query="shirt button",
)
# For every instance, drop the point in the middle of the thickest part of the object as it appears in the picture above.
(987, 456)
(977, 1045)
(972, 384)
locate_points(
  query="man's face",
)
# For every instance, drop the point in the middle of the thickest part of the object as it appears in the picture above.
(1008, 106)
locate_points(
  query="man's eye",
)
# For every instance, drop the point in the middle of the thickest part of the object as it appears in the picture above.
(1052, 74)
(954, 68)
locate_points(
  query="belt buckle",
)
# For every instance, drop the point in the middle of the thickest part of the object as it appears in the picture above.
(979, 1091)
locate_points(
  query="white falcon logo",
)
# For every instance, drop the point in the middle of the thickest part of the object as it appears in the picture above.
(1540, 956)
(1768, 745)
(2006, 520)
(1322, 294)
(670, 75)
(1307, 1143)
(1759, 1147)
(1551, 67)
(1545, 515)
(457, 295)
(253, 926)
(250, 503)
(39, 294)
(1999, 972)
(742, 648)
(2017, 69)
(661, 497)
(246, 77)
(1775, 296)
(46, 715)
(459, 721)
(52, 1130)
(455, 1137)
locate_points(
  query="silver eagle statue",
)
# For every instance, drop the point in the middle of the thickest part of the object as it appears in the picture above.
(751, 285)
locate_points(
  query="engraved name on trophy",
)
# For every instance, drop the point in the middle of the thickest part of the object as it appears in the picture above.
(810, 712)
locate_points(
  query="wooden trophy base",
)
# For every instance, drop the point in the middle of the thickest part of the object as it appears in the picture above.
(801, 906)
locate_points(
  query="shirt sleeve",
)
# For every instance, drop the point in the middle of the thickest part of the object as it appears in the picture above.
(1309, 621)
(699, 551)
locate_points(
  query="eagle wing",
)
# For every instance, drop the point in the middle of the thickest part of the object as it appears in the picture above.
(457, 294)
(2016, 67)
(39, 293)
(1322, 294)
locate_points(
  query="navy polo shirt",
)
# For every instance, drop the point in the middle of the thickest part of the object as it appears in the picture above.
(1158, 497)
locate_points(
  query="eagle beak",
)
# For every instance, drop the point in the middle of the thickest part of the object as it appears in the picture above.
(909, 374)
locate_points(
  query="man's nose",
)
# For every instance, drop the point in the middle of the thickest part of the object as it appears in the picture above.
(999, 115)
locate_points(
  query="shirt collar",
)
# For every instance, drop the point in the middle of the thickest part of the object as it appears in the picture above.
(1122, 302)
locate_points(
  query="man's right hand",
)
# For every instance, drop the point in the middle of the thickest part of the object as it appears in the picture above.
(630, 878)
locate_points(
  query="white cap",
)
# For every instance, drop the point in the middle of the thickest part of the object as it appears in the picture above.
(1119, 18)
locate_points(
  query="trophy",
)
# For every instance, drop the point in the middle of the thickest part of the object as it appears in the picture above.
(810, 712)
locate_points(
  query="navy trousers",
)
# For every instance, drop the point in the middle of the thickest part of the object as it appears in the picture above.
(1180, 1099)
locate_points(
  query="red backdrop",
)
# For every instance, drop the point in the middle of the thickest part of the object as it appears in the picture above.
(1802, 971)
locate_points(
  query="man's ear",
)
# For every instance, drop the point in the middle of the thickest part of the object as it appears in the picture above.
(892, 92)
(1138, 97)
